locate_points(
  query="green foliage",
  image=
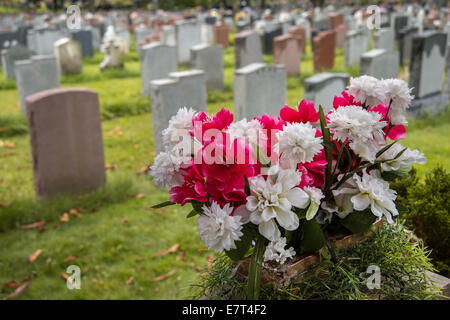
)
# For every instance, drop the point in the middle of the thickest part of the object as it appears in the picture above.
(429, 212)
(358, 221)
(312, 237)
(402, 264)
(11, 125)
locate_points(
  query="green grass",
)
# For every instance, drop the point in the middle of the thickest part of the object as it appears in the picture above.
(98, 237)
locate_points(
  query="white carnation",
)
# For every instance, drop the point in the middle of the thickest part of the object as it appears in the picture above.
(166, 169)
(275, 251)
(179, 126)
(407, 158)
(252, 130)
(362, 128)
(369, 190)
(272, 200)
(218, 229)
(397, 90)
(368, 90)
(315, 194)
(298, 142)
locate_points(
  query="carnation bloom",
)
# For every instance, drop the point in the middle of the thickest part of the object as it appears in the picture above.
(275, 251)
(167, 170)
(306, 113)
(313, 173)
(395, 132)
(298, 142)
(250, 130)
(272, 200)
(193, 188)
(179, 127)
(218, 228)
(271, 125)
(397, 90)
(345, 100)
(367, 90)
(407, 158)
(203, 124)
(369, 190)
(362, 128)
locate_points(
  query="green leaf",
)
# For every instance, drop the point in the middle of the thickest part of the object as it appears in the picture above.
(313, 238)
(193, 213)
(379, 153)
(312, 210)
(401, 208)
(242, 246)
(163, 204)
(359, 221)
(254, 272)
(326, 143)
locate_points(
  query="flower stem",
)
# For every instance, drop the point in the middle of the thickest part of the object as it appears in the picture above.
(254, 272)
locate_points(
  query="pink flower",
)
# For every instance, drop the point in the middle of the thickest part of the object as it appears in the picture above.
(345, 100)
(210, 126)
(397, 132)
(306, 113)
(193, 188)
(313, 173)
(272, 124)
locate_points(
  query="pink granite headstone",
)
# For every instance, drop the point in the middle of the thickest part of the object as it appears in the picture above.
(287, 52)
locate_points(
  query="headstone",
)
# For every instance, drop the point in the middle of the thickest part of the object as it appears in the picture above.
(341, 32)
(115, 49)
(169, 35)
(181, 89)
(140, 34)
(34, 75)
(209, 58)
(207, 33)
(7, 38)
(188, 34)
(400, 21)
(69, 56)
(405, 43)
(85, 38)
(10, 55)
(384, 39)
(305, 24)
(354, 47)
(222, 34)
(300, 34)
(247, 48)
(66, 141)
(324, 45)
(426, 72)
(447, 90)
(335, 20)
(322, 87)
(269, 36)
(43, 41)
(380, 64)
(259, 89)
(124, 34)
(157, 61)
(288, 53)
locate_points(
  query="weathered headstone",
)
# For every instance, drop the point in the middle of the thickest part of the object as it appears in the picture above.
(222, 34)
(10, 55)
(400, 21)
(354, 47)
(247, 48)
(322, 87)
(405, 43)
(341, 32)
(34, 75)
(426, 72)
(288, 53)
(66, 141)
(69, 56)
(384, 39)
(157, 61)
(209, 58)
(181, 89)
(335, 20)
(447, 90)
(7, 38)
(268, 37)
(300, 34)
(85, 38)
(324, 46)
(140, 34)
(188, 34)
(42, 40)
(380, 63)
(259, 89)
(169, 35)
(305, 24)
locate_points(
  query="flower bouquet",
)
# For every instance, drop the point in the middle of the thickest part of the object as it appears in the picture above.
(276, 186)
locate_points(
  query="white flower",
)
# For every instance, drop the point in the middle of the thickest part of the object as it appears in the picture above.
(407, 158)
(298, 142)
(272, 200)
(275, 251)
(247, 129)
(368, 90)
(315, 196)
(179, 126)
(371, 190)
(362, 128)
(342, 197)
(397, 90)
(218, 229)
(166, 170)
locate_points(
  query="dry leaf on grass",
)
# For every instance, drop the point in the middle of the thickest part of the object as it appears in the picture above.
(110, 166)
(148, 245)
(64, 217)
(34, 256)
(19, 290)
(70, 258)
(26, 278)
(11, 284)
(123, 219)
(129, 280)
(163, 253)
(75, 213)
(40, 225)
(140, 196)
(164, 276)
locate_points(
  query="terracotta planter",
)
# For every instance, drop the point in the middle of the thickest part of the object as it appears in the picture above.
(282, 275)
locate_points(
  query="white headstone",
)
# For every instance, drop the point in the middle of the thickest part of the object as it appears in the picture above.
(322, 87)
(209, 58)
(380, 63)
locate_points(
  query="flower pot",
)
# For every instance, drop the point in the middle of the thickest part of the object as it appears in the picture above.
(282, 275)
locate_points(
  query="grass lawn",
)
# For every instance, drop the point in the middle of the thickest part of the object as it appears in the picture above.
(122, 247)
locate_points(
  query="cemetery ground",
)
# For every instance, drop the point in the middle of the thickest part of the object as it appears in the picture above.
(125, 249)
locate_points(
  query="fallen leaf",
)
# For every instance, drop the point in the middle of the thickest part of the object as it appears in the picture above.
(8, 153)
(48, 261)
(34, 256)
(156, 290)
(31, 276)
(64, 217)
(97, 268)
(148, 245)
(124, 220)
(163, 253)
(136, 145)
(164, 276)
(19, 290)
(153, 153)
(64, 276)
(145, 169)
(4, 205)
(70, 258)
(111, 166)
(40, 225)
(140, 196)
(74, 212)
(11, 284)
(129, 280)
